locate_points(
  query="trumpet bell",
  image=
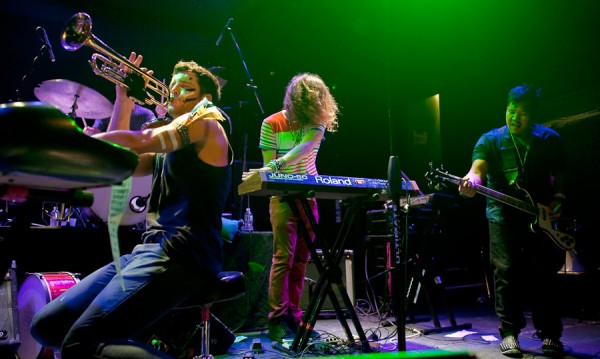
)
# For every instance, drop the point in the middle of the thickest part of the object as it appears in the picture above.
(141, 86)
(76, 32)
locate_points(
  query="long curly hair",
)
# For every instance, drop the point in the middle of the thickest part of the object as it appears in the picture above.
(309, 101)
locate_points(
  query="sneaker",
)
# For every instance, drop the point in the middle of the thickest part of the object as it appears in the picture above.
(280, 331)
(552, 347)
(510, 346)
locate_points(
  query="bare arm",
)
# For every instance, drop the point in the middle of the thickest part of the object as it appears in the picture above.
(474, 178)
(312, 138)
(202, 129)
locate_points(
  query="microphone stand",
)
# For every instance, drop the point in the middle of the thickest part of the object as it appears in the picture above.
(250, 83)
(398, 272)
(42, 51)
(254, 88)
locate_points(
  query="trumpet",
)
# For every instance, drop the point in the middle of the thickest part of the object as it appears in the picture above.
(141, 86)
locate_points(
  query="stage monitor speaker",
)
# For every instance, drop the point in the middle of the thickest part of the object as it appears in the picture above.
(9, 315)
(312, 276)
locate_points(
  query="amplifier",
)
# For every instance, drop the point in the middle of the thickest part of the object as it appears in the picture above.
(9, 316)
(312, 276)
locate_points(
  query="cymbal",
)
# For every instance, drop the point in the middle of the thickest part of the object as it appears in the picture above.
(74, 99)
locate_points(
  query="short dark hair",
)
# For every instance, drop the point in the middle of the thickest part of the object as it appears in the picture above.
(526, 94)
(207, 81)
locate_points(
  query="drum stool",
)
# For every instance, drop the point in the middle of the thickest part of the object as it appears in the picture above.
(231, 285)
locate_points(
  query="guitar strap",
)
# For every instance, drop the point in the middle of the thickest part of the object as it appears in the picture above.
(508, 154)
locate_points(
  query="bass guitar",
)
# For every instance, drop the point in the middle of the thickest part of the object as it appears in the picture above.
(541, 212)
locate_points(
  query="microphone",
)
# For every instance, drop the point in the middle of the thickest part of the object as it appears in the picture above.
(226, 27)
(44, 38)
(394, 178)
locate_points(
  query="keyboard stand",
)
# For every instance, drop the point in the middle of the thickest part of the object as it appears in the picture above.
(330, 274)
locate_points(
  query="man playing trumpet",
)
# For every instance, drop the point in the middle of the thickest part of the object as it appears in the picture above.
(181, 253)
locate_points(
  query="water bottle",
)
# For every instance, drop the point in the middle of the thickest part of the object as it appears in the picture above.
(65, 218)
(54, 217)
(248, 220)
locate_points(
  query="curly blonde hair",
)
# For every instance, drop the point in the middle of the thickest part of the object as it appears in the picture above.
(309, 101)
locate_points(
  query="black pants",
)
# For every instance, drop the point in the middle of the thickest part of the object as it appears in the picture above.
(526, 266)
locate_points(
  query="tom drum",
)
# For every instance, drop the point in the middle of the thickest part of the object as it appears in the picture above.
(37, 290)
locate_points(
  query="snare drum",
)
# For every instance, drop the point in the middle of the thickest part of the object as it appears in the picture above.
(37, 290)
(136, 208)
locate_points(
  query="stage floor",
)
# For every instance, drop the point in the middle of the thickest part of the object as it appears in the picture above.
(581, 337)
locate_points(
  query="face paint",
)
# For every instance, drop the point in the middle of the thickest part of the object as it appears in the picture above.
(163, 145)
(173, 138)
(185, 91)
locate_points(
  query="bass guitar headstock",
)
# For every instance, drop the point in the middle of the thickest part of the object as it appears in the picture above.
(435, 177)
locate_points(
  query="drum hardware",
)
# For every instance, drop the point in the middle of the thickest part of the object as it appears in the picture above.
(5, 215)
(60, 215)
(78, 32)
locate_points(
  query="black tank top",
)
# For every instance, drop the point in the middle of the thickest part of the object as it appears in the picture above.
(185, 208)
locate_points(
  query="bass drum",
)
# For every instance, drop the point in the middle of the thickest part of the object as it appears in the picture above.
(37, 290)
(136, 208)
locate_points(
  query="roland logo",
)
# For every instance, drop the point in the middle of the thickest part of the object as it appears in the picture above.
(288, 176)
(327, 180)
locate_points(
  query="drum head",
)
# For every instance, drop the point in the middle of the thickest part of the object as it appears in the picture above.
(33, 295)
(136, 208)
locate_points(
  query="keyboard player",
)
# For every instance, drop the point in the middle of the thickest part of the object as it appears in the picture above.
(290, 140)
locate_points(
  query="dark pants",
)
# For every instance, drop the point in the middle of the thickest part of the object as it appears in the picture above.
(96, 318)
(526, 269)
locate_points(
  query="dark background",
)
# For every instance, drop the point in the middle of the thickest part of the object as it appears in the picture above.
(380, 57)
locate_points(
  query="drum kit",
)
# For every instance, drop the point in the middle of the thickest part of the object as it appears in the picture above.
(79, 101)
(47, 170)
(46, 157)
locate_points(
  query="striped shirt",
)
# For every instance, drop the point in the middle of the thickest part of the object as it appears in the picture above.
(276, 135)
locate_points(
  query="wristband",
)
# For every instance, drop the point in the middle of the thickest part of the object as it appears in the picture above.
(272, 165)
(277, 164)
(280, 162)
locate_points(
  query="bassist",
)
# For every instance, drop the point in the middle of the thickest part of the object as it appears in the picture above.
(522, 154)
